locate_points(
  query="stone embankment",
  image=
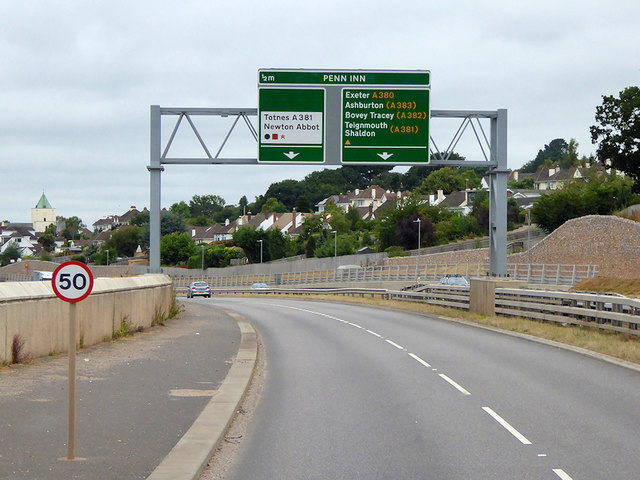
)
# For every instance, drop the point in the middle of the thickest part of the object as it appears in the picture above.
(612, 243)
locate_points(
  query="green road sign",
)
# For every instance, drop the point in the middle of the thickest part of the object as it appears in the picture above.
(386, 125)
(291, 125)
(343, 116)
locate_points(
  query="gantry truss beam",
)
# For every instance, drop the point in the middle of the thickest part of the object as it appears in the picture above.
(493, 155)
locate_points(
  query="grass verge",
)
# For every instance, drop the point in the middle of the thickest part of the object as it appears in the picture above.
(629, 287)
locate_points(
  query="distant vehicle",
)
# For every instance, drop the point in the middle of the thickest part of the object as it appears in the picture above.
(259, 286)
(454, 280)
(42, 276)
(348, 271)
(198, 288)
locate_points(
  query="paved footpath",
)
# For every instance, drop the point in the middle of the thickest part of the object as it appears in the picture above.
(135, 399)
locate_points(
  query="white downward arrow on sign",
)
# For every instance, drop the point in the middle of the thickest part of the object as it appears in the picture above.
(385, 155)
(291, 155)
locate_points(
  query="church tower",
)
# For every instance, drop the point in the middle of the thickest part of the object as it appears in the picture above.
(43, 215)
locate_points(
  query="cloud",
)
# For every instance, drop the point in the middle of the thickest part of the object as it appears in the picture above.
(78, 79)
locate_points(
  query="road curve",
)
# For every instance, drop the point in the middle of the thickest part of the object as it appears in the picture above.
(358, 392)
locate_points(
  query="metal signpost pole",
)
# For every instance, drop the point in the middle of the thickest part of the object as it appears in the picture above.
(71, 413)
(498, 197)
(72, 282)
(155, 171)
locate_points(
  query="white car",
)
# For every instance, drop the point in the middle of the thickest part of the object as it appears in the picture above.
(198, 288)
(259, 286)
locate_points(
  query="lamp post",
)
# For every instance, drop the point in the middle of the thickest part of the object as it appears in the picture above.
(529, 238)
(418, 221)
(260, 242)
(202, 246)
(107, 257)
(335, 243)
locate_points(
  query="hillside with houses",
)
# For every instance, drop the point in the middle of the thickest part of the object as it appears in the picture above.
(372, 218)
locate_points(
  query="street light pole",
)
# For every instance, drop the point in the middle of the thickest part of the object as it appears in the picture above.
(529, 239)
(418, 221)
(260, 242)
(202, 246)
(335, 243)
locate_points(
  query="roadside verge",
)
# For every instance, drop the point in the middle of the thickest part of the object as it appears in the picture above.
(189, 457)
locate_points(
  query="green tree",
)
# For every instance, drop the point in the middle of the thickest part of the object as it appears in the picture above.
(246, 238)
(125, 240)
(285, 192)
(618, 132)
(385, 227)
(11, 253)
(206, 205)
(273, 205)
(170, 223)
(176, 248)
(458, 227)
(406, 232)
(570, 157)
(480, 211)
(242, 205)
(181, 209)
(72, 226)
(602, 194)
(523, 184)
(105, 256)
(551, 153)
(449, 180)
(276, 245)
(214, 256)
(345, 244)
(303, 204)
(47, 241)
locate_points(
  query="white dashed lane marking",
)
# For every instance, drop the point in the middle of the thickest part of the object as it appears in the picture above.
(508, 427)
(454, 384)
(558, 471)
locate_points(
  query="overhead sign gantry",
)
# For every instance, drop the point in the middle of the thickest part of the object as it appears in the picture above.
(342, 117)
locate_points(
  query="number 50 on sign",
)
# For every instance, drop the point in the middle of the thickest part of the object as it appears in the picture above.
(72, 282)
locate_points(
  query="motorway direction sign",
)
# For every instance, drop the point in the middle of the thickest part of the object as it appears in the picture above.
(72, 281)
(385, 125)
(343, 116)
(291, 125)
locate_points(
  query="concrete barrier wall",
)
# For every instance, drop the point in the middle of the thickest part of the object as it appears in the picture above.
(31, 310)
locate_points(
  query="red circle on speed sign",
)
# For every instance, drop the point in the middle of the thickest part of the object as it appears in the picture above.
(72, 281)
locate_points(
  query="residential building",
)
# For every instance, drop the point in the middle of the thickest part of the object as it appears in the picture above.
(366, 201)
(552, 178)
(21, 235)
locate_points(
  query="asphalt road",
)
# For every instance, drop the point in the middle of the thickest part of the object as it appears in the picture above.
(355, 392)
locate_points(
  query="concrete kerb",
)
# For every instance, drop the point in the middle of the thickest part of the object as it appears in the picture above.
(189, 457)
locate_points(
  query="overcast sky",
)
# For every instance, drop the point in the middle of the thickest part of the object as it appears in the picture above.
(77, 79)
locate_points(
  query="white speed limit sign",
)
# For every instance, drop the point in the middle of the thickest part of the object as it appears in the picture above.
(72, 281)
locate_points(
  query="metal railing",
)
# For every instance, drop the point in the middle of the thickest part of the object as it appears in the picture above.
(602, 311)
(535, 236)
(538, 274)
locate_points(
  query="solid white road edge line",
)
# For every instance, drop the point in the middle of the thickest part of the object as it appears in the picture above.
(454, 384)
(506, 425)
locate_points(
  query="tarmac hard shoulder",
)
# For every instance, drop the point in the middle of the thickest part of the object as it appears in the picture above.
(136, 399)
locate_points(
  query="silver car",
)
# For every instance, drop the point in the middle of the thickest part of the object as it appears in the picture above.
(198, 288)
(454, 280)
